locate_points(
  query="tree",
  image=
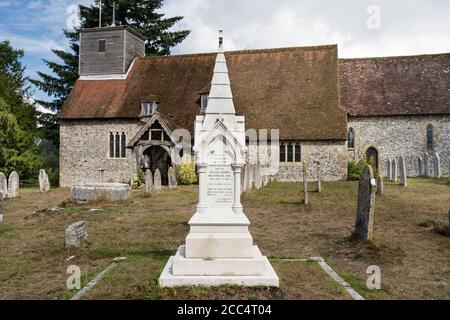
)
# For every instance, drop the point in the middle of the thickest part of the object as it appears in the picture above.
(13, 88)
(141, 15)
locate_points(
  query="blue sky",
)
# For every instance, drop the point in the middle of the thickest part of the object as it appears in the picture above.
(361, 28)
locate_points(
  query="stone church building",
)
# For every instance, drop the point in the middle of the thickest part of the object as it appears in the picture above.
(127, 111)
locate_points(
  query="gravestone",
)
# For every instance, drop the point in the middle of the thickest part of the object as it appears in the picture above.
(319, 178)
(394, 170)
(1, 206)
(148, 182)
(3, 186)
(258, 177)
(44, 184)
(250, 176)
(420, 164)
(437, 166)
(380, 184)
(305, 183)
(366, 204)
(13, 185)
(110, 192)
(172, 177)
(75, 234)
(403, 172)
(389, 169)
(426, 165)
(245, 178)
(157, 180)
(219, 248)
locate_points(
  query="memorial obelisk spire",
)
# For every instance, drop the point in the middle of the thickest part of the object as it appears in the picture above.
(220, 99)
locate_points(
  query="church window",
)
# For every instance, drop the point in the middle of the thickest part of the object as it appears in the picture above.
(101, 45)
(297, 152)
(290, 153)
(204, 101)
(282, 152)
(351, 138)
(148, 108)
(430, 137)
(117, 145)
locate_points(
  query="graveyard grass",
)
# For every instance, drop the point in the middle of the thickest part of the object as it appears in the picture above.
(414, 260)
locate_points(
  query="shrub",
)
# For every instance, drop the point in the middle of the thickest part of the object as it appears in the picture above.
(186, 174)
(140, 179)
(355, 168)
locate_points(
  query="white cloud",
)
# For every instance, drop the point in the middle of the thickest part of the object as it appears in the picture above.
(407, 27)
(33, 45)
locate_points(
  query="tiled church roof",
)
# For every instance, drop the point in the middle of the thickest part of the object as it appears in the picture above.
(415, 85)
(291, 89)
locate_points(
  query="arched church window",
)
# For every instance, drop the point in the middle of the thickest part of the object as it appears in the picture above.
(351, 138)
(111, 145)
(290, 153)
(282, 152)
(122, 145)
(297, 152)
(117, 147)
(430, 137)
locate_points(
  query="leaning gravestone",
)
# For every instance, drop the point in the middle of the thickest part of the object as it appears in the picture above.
(13, 185)
(172, 177)
(305, 183)
(437, 166)
(3, 186)
(148, 182)
(380, 184)
(366, 204)
(403, 172)
(219, 248)
(420, 164)
(44, 184)
(319, 178)
(157, 180)
(75, 234)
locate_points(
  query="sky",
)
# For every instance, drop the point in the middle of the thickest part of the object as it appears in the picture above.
(361, 28)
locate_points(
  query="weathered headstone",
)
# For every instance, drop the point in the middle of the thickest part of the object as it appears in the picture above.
(389, 169)
(380, 184)
(157, 180)
(250, 176)
(148, 182)
(244, 178)
(1, 207)
(258, 177)
(420, 164)
(366, 204)
(305, 183)
(426, 164)
(437, 166)
(3, 186)
(75, 234)
(13, 185)
(172, 177)
(219, 248)
(44, 184)
(319, 178)
(403, 172)
(394, 170)
(111, 192)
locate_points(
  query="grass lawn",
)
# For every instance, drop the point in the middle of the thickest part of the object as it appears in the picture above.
(414, 260)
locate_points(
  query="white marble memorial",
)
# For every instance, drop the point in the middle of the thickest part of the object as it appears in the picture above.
(219, 248)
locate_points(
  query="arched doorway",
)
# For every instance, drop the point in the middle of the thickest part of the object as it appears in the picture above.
(157, 158)
(372, 153)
